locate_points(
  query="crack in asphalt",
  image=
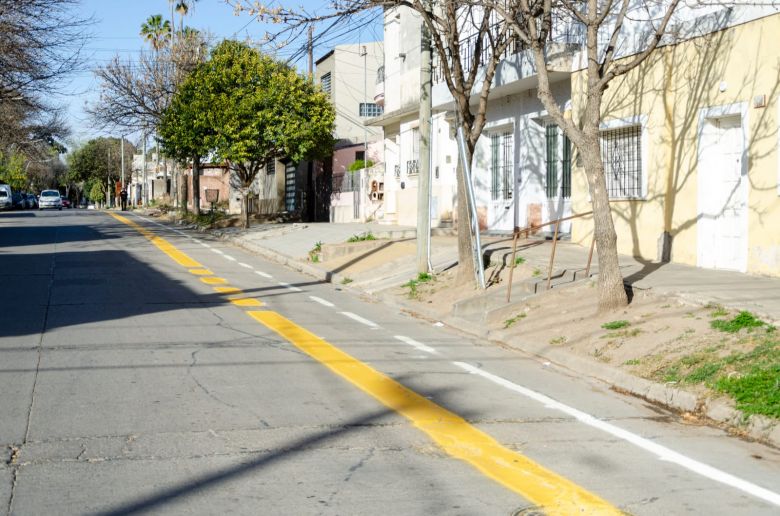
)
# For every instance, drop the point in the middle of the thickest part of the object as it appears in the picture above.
(352, 469)
(15, 465)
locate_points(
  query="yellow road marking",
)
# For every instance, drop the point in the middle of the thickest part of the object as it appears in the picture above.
(557, 495)
(162, 244)
(246, 301)
(212, 280)
(227, 290)
(201, 272)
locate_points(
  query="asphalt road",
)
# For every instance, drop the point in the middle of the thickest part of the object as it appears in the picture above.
(147, 369)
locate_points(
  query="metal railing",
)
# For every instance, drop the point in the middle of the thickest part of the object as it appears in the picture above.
(534, 227)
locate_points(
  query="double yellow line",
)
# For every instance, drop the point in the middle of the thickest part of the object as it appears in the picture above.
(456, 436)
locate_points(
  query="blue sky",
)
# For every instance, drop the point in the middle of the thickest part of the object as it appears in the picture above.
(117, 28)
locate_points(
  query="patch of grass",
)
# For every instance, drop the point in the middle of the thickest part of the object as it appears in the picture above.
(512, 320)
(412, 284)
(314, 254)
(633, 361)
(558, 341)
(622, 334)
(347, 281)
(671, 374)
(718, 312)
(741, 320)
(751, 378)
(537, 272)
(756, 392)
(361, 237)
(703, 373)
(519, 260)
(666, 306)
(615, 325)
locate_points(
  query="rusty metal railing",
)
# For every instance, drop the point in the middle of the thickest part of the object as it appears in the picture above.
(527, 230)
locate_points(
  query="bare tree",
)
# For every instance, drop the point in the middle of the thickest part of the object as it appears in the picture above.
(41, 44)
(134, 94)
(469, 43)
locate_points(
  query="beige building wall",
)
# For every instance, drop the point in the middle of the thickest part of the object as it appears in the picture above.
(667, 95)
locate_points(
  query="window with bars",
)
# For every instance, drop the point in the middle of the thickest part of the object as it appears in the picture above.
(270, 167)
(621, 151)
(370, 109)
(413, 165)
(557, 156)
(325, 83)
(501, 158)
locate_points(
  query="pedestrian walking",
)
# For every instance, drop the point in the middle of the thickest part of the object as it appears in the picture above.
(123, 197)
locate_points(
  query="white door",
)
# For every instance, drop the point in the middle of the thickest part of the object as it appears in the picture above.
(501, 165)
(722, 224)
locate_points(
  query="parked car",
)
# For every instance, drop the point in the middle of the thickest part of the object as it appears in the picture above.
(6, 197)
(65, 202)
(18, 201)
(50, 199)
(32, 201)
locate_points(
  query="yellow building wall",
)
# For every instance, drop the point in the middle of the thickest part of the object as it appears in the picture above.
(670, 89)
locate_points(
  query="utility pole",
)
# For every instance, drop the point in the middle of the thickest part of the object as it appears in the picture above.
(144, 193)
(424, 177)
(311, 52)
(122, 147)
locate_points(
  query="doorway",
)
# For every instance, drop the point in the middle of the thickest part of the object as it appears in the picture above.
(723, 190)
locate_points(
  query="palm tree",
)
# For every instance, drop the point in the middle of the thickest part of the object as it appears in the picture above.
(183, 8)
(156, 31)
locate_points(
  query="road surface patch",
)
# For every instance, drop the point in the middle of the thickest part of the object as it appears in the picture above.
(556, 494)
(162, 244)
(228, 290)
(663, 453)
(213, 280)
(452, 433)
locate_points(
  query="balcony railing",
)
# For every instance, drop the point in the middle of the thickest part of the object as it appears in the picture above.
(477, 46)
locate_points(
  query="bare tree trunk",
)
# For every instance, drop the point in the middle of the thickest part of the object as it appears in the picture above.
(196, 185)
(465, 246)
(246, 208)
(612, 293)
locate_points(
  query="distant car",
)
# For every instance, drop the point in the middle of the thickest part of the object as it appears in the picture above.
(6, 198)
(50, 199)
(18, 201)
(65, 202)
(32, 201)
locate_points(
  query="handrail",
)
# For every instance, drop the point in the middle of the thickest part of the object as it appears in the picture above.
(516, 233)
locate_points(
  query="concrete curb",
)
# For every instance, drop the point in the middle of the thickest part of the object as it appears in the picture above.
(717, 411)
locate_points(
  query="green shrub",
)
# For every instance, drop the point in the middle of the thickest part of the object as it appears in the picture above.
(361, 237)
(359, 164)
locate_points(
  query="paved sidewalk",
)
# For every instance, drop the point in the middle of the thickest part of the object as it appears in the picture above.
(392, 265)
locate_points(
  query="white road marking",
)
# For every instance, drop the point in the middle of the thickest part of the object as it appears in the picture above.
(361, 320)
(228, 257)
(662, 452)
(245, 265)
(415, 344)
(216, 251)
(263, 274)
(205, 245)
(290, 287)
(321, 301)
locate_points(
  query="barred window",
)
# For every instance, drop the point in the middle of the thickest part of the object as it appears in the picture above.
(370, 109)
(325, 83)
(270, 167)
(413, 165)
(501, 157)
(557, 153)
(621, 151)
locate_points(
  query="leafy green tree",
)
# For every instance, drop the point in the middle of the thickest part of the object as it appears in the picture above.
(99, 161)
(96, 192)
(12, 171)
(248, 109)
